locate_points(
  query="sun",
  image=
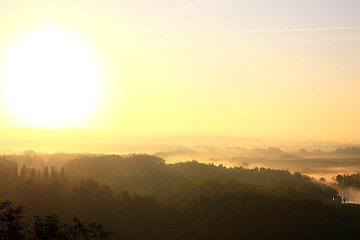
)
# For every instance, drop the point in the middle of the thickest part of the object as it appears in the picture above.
(51, 79)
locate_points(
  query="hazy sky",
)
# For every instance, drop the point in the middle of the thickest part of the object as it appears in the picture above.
(277, 68)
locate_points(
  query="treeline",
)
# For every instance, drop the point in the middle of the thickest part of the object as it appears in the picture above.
(234, 215)
(190, 200)
(13, 227)
(347, 180)
(40, 160)
(183, 191)
(140, 173)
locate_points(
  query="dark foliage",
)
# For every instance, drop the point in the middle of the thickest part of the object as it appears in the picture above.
(12, 227)
(188, 200)
(348, 180)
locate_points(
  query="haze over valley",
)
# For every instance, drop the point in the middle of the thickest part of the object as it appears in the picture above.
(191, 119)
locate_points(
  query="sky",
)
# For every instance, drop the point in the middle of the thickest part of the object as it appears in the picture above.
(276, 69)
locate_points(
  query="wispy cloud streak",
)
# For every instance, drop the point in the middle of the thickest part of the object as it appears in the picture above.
(145, 31)
(263, 42)
(355, 37)
(253, 41)
(269, 31)
(220, 32)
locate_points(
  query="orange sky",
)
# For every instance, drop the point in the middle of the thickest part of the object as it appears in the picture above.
(274, 69)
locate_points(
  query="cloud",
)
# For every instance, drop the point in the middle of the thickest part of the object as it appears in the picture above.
(268, 31)
(267, 41)
(144, 31)
(268, 151)
(354, 151)
(233, 41)
(181, 152)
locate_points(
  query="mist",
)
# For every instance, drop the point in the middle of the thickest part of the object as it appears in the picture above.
(149, 186)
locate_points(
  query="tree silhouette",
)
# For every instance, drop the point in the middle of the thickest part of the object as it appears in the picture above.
(12, 227)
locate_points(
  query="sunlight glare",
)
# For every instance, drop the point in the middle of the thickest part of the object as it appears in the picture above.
(51, 79)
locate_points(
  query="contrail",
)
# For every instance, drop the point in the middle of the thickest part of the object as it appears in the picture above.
(221, 32)
(267, 31)
(256, 41)
(145, 31)
(217, 32)
(214, 44)
(286, 39)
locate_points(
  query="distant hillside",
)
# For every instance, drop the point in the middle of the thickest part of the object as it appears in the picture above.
(141, 173)
(142, 197)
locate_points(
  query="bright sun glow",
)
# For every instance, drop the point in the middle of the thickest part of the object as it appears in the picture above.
(51, 79)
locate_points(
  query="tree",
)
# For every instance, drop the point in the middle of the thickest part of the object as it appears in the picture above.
(12, 226)
(49, 227)
(46, 174)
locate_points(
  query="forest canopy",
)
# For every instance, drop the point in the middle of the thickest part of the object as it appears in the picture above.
(139, 196)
